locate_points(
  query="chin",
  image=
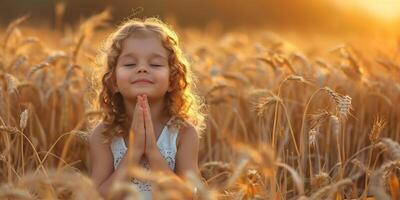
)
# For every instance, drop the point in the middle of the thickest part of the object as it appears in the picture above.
(133, 95)
(141, 92)
(150, 94)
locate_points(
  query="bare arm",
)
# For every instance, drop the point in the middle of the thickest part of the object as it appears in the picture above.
(187, 150)
(187, 153)
(118, 174)
(157, 162)
(186, 156)
(102, 169)
(102, 173)
(186, 160)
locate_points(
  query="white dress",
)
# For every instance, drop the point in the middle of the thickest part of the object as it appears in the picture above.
(166, 143)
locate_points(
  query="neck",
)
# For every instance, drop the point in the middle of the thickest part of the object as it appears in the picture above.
(157, 110)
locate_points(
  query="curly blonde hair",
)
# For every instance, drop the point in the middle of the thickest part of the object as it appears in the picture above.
(182, 103)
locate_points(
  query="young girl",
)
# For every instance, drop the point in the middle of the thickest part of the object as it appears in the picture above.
(151, 109)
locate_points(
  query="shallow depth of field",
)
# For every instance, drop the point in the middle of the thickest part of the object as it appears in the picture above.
(289, 116)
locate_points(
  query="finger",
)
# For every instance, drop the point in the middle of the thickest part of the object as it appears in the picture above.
(136, 113)
(140, 112)
(141, 105)
(147, 116)
(142, 101)
(133, 126)
(141, 122)
(137, 105)
(146, 102)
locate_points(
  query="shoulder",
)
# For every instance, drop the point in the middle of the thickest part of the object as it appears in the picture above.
(96, 135)
(187, 134)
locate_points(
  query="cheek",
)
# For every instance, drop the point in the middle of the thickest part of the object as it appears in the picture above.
(163, 75)
(120, 76)
(167, 77)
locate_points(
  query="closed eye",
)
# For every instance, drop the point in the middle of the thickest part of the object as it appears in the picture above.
(156, 65)
(131, 64)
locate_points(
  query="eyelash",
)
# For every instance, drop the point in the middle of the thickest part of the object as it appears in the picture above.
(154, 65)
(128, 65)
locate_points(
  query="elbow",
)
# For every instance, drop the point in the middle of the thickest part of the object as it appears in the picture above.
(103, 192)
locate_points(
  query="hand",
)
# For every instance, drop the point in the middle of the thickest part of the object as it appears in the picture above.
(151, 144)
(137, 134)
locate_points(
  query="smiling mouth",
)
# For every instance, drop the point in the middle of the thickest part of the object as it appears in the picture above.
(142, 82)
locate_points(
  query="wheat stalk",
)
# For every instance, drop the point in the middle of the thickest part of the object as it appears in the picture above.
(376, 185)
(11, 27)
(393, 148)
(375, 133)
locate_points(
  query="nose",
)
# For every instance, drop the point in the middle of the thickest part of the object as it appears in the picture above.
(142, 69)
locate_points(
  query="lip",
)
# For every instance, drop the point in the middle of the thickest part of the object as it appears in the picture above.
(142, 80)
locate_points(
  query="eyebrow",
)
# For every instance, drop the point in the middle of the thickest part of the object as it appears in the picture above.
(151, 55)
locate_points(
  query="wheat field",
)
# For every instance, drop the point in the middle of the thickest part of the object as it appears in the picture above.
(286, 120)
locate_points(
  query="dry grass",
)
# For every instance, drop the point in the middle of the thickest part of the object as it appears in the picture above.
(284, 123)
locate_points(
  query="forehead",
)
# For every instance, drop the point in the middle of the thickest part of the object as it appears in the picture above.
(143, 44)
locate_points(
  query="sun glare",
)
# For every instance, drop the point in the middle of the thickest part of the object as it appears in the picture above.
(384, 9)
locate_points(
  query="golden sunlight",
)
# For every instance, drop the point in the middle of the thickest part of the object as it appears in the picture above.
(385, 9)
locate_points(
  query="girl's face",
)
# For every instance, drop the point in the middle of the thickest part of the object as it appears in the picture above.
(142, 68)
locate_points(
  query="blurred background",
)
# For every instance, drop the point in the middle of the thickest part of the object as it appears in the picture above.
(327, 16)
(308, 86)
